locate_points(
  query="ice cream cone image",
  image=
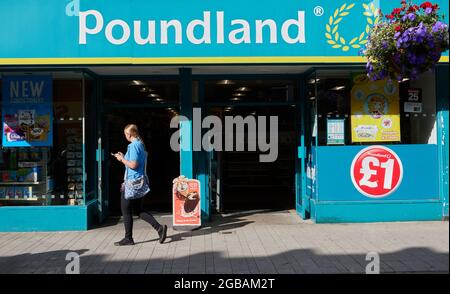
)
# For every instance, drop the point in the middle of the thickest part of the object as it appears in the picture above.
(184, 193)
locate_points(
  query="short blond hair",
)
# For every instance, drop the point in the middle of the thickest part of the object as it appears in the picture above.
(134, 131)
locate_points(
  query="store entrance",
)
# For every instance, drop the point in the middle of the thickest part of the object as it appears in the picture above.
(163, 163)
(239, 181)
(150, 104)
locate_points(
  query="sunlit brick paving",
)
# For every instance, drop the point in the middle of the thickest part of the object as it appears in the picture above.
(248, 242)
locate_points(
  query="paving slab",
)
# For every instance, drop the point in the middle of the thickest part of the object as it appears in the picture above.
(251, 242)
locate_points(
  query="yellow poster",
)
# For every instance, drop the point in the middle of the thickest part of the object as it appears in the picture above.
(375, 110)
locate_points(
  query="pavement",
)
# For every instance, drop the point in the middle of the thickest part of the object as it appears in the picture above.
(252, 242)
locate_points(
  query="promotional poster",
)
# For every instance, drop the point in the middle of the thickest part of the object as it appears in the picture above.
(27, 111)
(186, 202)
(375, 110)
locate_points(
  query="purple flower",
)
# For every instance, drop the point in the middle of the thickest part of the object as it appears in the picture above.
(369, 67)
(438, 26)
(420, 60)
(397, 34)
(409, 16)
(428, 10)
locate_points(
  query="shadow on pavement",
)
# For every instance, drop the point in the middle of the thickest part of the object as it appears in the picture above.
(302, 261)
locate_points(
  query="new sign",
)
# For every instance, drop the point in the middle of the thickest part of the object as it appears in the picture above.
(27, 111)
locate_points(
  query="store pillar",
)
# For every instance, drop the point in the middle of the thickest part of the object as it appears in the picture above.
(186, 161)
(442, 98)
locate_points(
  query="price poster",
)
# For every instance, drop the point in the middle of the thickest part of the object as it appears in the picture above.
(376, 171)
(186, 202)
(375, 110)
(414, 102)
(335, 132)
(27, 111)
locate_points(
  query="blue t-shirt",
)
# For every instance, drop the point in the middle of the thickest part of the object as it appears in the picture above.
(136, 152)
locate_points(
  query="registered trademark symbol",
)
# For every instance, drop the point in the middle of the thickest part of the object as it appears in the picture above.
(318, 11)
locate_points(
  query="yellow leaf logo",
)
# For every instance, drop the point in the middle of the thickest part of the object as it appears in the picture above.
(332, 27)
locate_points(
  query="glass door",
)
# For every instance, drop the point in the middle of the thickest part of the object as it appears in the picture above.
(102, 173)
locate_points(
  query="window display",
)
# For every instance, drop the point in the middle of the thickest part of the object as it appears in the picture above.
(52, 174)
(374, 112)
(24, 174)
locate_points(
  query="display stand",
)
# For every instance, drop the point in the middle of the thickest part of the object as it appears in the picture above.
(24, 179)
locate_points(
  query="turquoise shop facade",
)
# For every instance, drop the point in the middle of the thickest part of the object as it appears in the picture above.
(47, 36)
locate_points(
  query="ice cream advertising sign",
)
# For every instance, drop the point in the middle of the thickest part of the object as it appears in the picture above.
(375, 110)
(27, 111)
(186, 202)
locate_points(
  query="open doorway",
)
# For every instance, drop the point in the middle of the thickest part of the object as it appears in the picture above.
(150, 104)
(163, 163)
(239, 180)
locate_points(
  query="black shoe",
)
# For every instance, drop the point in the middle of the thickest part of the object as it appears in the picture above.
(162, 234)
(124, 242)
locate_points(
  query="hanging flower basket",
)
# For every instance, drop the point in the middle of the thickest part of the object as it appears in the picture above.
(408, 42)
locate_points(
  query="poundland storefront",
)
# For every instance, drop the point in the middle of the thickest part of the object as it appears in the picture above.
(331, 144)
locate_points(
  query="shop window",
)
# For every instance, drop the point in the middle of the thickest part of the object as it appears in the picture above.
(49, 170)
(354, 111)
(140, 91)
(235, 91)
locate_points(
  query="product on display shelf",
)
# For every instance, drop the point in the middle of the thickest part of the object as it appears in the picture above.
(28, 174)
(50, 184)
(36, 194)
(28, 192)
(9, 192)
(2, 192)
(18, 192)
(35, 154)
(9, 176)
(28, 164)
(71, 186)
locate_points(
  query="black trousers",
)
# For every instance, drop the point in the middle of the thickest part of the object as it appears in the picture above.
(135, 205)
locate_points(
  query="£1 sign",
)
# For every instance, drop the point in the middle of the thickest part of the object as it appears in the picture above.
(376, 171)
